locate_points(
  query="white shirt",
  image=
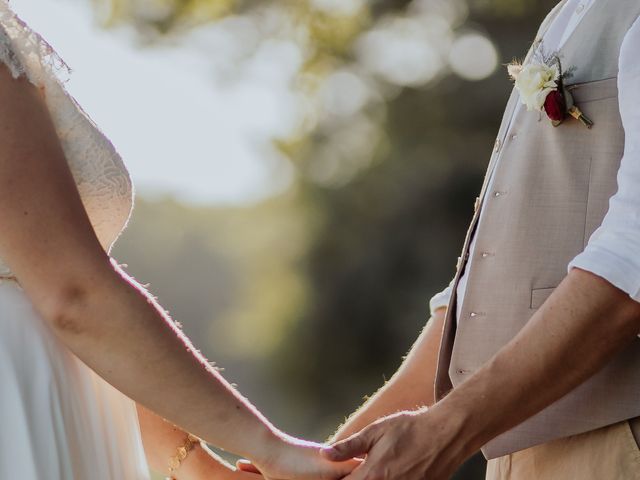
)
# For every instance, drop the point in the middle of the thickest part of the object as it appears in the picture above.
(613, 250)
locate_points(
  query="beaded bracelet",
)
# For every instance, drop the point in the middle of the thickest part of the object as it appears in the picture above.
(181, 453)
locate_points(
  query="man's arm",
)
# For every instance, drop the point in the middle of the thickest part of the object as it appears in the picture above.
(579, 328)
(410, 387)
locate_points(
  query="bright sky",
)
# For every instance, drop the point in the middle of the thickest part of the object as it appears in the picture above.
(178, 128)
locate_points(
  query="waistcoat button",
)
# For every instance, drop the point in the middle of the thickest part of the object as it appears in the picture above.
(497, 145)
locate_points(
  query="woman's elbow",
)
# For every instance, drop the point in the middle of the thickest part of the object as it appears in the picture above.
(68, 308)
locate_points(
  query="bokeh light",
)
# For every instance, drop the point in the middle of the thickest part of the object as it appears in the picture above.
(344, 93)
(473, 56)
(400, 51)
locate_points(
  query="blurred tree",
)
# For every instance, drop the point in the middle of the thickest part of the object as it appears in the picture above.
(329, 284)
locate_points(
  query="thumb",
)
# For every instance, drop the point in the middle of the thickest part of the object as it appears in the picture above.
(246, 466)
(356, 445)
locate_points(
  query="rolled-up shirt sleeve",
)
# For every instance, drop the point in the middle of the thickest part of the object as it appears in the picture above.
(441, 299)
(613, 250)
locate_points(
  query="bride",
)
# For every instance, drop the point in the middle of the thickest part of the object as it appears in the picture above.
(95, 377)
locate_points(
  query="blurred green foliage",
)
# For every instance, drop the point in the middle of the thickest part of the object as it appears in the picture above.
(310, 299)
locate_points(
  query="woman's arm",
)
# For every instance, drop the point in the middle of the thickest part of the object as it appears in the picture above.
(411, 387)
(161, 439)
(103, 316)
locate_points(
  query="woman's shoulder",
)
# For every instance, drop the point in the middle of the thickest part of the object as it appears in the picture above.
(103, 181)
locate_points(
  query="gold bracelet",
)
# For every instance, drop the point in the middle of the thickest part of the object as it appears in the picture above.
(181, 453)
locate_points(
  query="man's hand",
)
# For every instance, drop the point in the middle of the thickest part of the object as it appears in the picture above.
(404, 446)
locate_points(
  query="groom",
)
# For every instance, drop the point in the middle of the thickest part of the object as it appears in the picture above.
(535, 357)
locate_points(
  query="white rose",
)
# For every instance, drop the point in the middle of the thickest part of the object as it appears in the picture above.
(534, 82)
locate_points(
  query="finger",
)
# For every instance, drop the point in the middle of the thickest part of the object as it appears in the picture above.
(356, 445)
(246, 466)
(339, 470)
(376, 465)
(346, 467)
(359, 473)
(248, 476)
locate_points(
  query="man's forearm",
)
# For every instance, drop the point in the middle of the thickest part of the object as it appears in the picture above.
(581, 326)
(410, 387)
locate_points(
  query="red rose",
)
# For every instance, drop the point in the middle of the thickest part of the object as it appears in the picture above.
(555, 106)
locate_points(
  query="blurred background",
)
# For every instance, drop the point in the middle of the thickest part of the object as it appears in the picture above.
(305, 171)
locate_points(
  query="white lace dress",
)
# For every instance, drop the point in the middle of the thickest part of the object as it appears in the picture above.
(58, 419)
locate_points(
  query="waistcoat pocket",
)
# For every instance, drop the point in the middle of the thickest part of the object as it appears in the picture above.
(539, 295)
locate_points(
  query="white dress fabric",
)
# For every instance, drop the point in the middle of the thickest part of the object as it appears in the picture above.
(59, 420)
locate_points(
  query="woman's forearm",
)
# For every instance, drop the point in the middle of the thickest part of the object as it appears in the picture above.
(161, 440)
(411, 387)
(392, 397)
(121, 332)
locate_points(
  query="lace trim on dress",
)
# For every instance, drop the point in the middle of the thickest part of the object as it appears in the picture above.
(7, 56)
(104, 184)
(26, 53)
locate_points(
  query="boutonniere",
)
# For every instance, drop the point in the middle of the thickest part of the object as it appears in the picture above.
(541, 87)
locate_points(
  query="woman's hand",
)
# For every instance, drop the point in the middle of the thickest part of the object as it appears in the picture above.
(297, 459)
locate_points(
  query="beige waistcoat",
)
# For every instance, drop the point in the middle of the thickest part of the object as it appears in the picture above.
(550, 192)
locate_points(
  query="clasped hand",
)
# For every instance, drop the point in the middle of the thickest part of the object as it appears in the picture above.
(416, 445)
(298, 459)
